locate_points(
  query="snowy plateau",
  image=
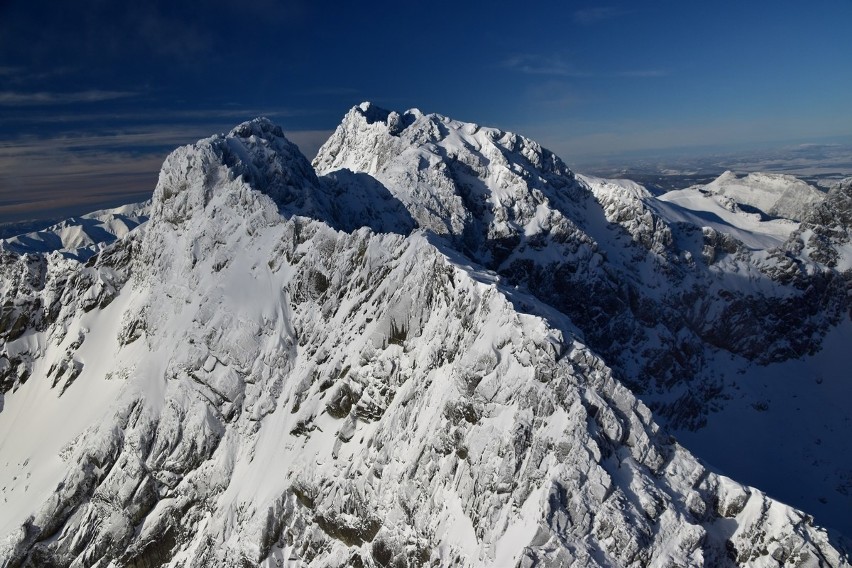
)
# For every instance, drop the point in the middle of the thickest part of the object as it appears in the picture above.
(434, 346)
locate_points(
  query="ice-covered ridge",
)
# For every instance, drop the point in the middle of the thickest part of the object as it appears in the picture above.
(257, 154)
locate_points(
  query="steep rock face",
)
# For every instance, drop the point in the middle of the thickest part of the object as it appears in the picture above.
(257, 379)
(686, 300)
(651, 293)
(825, 234)
(41, 294)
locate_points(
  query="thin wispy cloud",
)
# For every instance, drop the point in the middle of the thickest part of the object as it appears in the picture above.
(642, 73)
(38, 184)
(532, 64)
(82, 168)
(156, 136)
(45, 98)
(578, 141)
(224, 117)
(559, 66)
(591, 16)
(331, 91)
(22, 76)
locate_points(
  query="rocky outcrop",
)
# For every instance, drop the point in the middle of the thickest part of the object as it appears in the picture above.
(826, 228)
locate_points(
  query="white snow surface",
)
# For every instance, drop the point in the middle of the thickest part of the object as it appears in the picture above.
(694, 206)
(332, 370)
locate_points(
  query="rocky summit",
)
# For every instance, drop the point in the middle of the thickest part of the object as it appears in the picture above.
(434, 346)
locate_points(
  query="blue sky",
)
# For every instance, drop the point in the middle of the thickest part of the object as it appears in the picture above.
(94, 93)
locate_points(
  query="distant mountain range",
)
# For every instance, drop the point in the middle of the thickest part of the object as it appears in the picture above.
(819, 164)
(80, 237)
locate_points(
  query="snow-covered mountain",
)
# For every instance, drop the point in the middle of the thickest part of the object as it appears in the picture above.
(412, 352)
(775, 195)
(80, 237)
(685, 302)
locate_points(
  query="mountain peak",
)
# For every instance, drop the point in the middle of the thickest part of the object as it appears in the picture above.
(261, 127)
(774, 195)
(455, 177)
(254, 155)
(371, 112)
(374, 114)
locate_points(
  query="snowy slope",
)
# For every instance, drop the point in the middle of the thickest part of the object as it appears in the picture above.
(694, 206)
(350, 369)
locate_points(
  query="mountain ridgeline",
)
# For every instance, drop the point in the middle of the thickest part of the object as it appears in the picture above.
(423, 349)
